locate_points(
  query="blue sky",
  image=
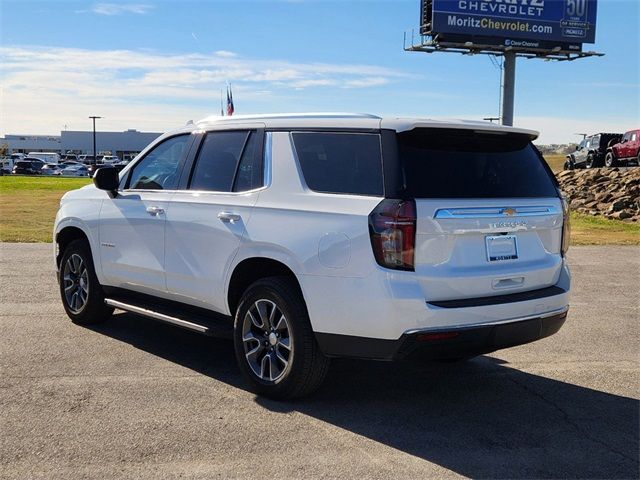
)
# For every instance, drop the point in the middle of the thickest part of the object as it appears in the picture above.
(155, 65)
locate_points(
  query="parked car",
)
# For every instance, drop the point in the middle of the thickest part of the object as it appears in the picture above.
(74, 171)
(110, 159)
(7, 165)
(50, 169)
(86, 159)
(68, 163)
(591, 151)
(67, 157)
(28, 166)
(306, 237)
(46, 157)
(120, 165)
(626, 151)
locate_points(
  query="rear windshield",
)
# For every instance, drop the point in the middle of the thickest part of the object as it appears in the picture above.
(466, 164)
(342, 162)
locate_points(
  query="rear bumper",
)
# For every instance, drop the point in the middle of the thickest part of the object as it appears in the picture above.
(443, 343)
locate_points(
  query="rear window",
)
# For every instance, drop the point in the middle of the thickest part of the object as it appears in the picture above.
(466, 164)
(348, 163)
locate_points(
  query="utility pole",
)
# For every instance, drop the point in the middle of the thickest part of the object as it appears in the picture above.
(95, 157)
(508, 88)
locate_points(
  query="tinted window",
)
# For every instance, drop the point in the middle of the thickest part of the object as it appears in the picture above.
(158, 170)
(466, 164)
(250, 170)
(217, 161)
(340, 162)
(595, 141)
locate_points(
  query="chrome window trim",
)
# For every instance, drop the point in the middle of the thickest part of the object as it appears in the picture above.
(267, 156)
(492, 212)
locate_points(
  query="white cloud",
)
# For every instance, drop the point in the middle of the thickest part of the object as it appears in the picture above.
(366, 82)
(45, 87)
(120, 8)
(226, 53)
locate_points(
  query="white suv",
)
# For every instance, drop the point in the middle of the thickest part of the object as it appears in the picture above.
(306, 237)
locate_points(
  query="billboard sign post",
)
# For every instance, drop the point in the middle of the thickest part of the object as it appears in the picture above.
(548, 29)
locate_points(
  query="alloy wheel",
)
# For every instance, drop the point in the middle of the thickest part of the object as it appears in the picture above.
(267, 340)
(76, 283)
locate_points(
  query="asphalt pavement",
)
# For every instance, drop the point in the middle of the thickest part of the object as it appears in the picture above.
(137, 399)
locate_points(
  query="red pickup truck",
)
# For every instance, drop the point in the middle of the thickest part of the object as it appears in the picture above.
(627, 150)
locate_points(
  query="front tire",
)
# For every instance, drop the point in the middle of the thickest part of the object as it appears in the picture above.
(81, 293)
(275, 346)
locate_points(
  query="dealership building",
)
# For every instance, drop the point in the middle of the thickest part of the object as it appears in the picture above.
(112, 143)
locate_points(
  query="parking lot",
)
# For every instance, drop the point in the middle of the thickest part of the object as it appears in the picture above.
(134, 398)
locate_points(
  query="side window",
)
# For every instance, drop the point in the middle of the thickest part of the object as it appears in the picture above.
(158, 170)
(217, 160)
(250, 171)
(340, 162)
(595, 141)
(634, 136)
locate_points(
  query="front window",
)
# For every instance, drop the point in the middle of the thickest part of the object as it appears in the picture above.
(215, 167)
(158, 170)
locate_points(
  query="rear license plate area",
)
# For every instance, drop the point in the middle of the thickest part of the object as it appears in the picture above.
(501, 247)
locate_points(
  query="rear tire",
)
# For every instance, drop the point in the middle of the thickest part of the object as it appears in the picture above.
(81, 293)
(275, 346)
(590, 162)
(610, 161)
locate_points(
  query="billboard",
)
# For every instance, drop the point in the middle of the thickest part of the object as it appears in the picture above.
(562, 21)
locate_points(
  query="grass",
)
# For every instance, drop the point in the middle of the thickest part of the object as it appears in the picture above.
(589, 230)
(28, 208)
(555, 161)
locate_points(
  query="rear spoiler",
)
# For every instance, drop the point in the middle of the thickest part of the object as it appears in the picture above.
(408, 124)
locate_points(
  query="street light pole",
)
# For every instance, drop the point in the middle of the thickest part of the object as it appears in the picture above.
(95, 157)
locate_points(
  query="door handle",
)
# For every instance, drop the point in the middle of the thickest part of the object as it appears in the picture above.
(227, 217)
(155, 211)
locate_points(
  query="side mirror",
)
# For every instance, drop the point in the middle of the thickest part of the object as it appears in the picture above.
(106, 178)
(577, 147)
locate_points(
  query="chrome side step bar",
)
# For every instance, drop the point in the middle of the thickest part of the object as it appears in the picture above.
(157, 315)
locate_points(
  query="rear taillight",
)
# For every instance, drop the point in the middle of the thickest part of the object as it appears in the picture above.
(392, 227)
(566, 227)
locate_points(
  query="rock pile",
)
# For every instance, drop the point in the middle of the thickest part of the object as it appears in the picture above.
(610, 192)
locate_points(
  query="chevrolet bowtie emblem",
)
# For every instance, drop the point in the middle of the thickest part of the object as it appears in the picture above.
(508, 211)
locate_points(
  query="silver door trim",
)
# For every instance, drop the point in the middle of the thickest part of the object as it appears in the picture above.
(156, 315)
